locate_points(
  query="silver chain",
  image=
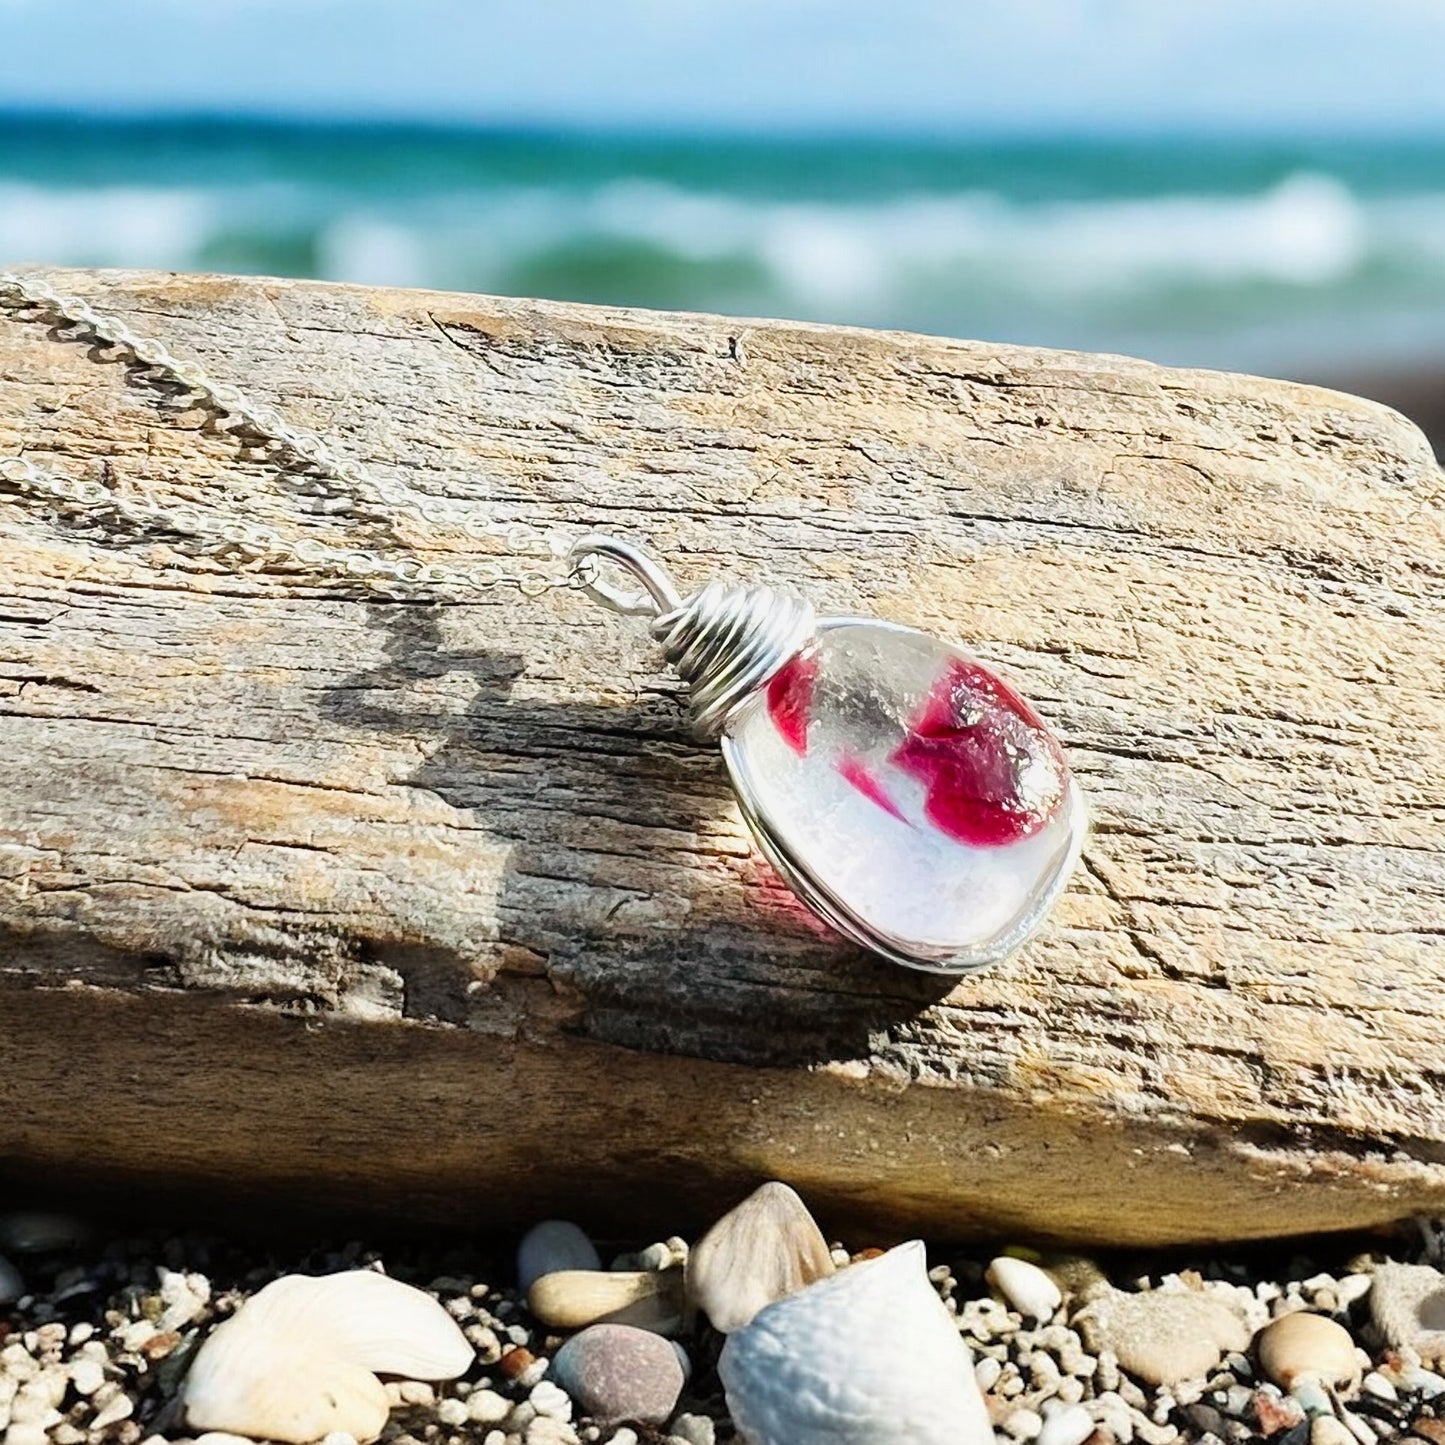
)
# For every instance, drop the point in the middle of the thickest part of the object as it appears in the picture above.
(333, 484)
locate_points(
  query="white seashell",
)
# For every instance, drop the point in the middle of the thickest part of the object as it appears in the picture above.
(1025, 1286)
(298, 1361)
(389, 1327)
(867, 1356)
(764, 1250)
(572, 1299)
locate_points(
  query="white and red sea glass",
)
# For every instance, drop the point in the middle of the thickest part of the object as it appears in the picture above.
(910, 796)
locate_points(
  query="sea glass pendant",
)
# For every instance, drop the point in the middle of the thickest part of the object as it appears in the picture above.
(906, 792)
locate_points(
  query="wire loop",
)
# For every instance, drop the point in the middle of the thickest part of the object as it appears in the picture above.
(658, 596)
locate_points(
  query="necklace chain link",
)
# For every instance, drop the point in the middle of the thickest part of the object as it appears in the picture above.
(334, 485)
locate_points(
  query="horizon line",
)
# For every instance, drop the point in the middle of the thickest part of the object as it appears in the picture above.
(638, 129)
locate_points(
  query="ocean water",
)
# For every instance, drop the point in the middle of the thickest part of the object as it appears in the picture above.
(1292, 257)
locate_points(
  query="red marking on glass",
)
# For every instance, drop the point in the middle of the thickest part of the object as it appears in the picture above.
(862, 777)
(994, 774)
(790, 699)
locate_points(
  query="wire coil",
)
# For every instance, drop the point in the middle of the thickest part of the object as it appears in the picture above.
(726, 641)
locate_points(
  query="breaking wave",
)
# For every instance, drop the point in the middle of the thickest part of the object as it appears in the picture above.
(1303, 265)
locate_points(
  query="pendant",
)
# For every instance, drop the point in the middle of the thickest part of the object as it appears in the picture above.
(906, 793)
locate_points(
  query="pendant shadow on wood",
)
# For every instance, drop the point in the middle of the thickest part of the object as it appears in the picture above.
(628, 877)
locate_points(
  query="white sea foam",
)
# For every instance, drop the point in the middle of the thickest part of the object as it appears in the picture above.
(104, 226)
(1101, 271)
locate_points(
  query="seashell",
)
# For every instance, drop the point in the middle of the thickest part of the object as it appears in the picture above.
(868, 1355)
(572, 1299)
(298, 1361)
(553, 1245)
(764, 1250)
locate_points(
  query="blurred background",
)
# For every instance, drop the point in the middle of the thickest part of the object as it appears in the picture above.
(1248, 184)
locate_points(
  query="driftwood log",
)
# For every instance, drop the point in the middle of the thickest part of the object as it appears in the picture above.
(435, 906)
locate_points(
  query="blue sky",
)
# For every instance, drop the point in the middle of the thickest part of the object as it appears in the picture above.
(1339, 65)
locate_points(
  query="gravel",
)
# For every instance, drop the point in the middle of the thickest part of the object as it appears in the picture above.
(94, 1354)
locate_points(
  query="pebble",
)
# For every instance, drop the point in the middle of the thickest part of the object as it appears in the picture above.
(1359, 1428)
(1023, 1424)
(184, 1297)
(1070, 1426)
(1353, 1287)
(119, 1408)
(87, 1375)
(1312, 1396)
(12, 1287)
(1377, 1385)
(1407, 1305)
(1326, 1430)
(1276, 1413)
(1205, 1418)
(546, 1430)
(646, 1299)
(39, 1231)
(1302, 1345)
(987, 1372)
(86, 1362)
(487, 1407)
(549, 1399)
(1163, 1337)
(617, 1372)
(694, 1430)
(1027, 1288)
(453, 1412)
(552, 1246)
(683, 1359)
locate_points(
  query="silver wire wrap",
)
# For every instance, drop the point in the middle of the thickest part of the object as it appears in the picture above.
(726, 642)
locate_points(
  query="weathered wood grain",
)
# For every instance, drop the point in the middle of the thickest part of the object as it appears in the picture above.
(437, 905)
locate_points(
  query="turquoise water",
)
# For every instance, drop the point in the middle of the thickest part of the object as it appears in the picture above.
(1271, 255)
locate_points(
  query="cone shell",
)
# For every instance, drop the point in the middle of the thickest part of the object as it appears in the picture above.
(868, 1355)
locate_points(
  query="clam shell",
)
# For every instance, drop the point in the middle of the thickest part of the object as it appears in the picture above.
(299, 1360)
(764, 1250)
(869, 1355)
